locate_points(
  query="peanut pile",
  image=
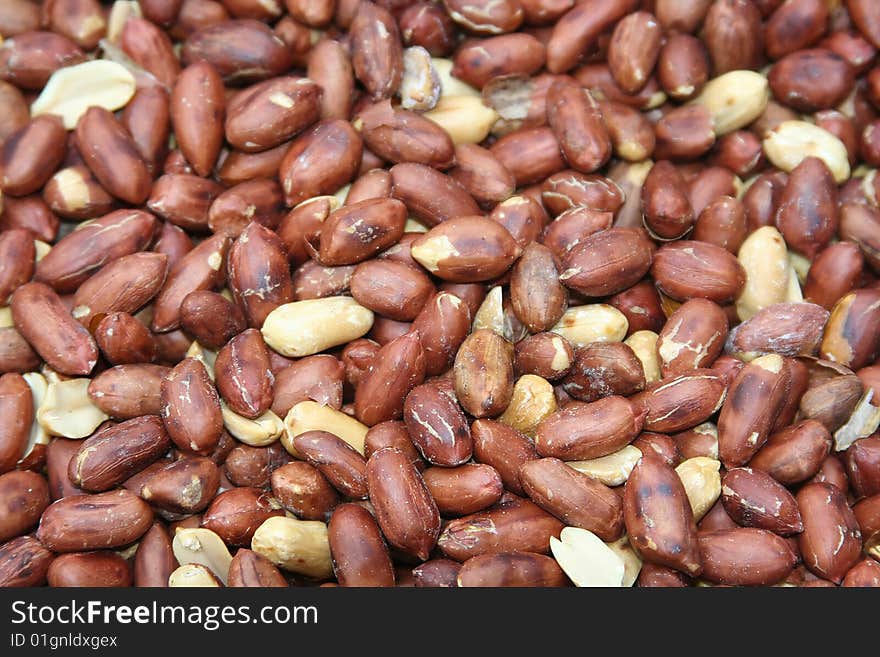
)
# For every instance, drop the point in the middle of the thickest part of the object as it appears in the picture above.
(459, 293)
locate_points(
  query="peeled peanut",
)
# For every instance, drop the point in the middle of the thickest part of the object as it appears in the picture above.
(611, 470)
(120, 12)
(702, 483)
(192, 575)
(465, 118)
(303, 328)
(533, 399)
(789, 143)
(311, 416)
(586, 559)
(71, 90)
(300, 546)
(644, 344)
(202, 546)
(632, 564)
(734, 99)
(38, 435)
(597, 322)
(68, 411)
(260, 432)
(490, 314)
(764, 256)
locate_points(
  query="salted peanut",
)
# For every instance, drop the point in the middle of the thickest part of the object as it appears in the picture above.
(586, 431)
(658, 445)
(193, 575)
(504, 448)
(243, 374)
(185, 486)
(632, 135)
(536, 295)
(787, 145)
(203, 547)
(603, 369)
(613, 469)
(519, 569)
(532, 400)
(304, 491)
(702, 483)
(599, 322)
(190, 407)
(764, 258)
(607, 262)
(464, 489)
(682, 402)
(754, 401)
(659, 519)
(464, 117)
(24, 562)
(467, 249)
(861, 224)
(396, 369)
(848, 340)
(831, 542)
(128, 391)
(437, 426)
(92, 245)
(430, 196)
(24, 496)
(18, 253)
(307, 327)
(377, 53)
(734, 99)
(667, 211)
(309, 416)
(74, 193)
(17, 405)
(22, 172)
(745, 556)
(405, 510)
(68, 411)
(330, 67)
(437, 573)
(693, 337)
(568, 189)
(832, 402)
(91, 522)
(687, 269)
(483, 373)
(71, 90)
(788, 329)
(790, 80)
(249, 569)
(154, 560)
(754, 499)
(520, 526)
(633, 50)
(478, 61)
(200, 269)
(123, 285)
(541, 142)
(587, 560)
(261, 431)
(702, 440)
(360, 557)
(44, 321)
(319, 378)
(546, 355)
(573, 497)
(522, 216)
(117, 452)
(682, 66)
(810, 184)
(197, 112)
(577, 30)
(89, 569)
(577, 122)
(866, 573)
(339, 462)
(481, 174)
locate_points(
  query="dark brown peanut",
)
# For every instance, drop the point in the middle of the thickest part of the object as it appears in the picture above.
(303, 490)
(360, 557)
(154, 560)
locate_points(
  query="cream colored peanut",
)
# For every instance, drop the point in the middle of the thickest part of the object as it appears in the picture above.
(644, 344)
(299, 546)
(734, 99)
(586, 559)
(303, 328)
(764, 257)
(68, 411)
(196, 545)
(613, 469)
(311, 416)
(790, 142)
(702, 483)
(533, 399)
(596, 322)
